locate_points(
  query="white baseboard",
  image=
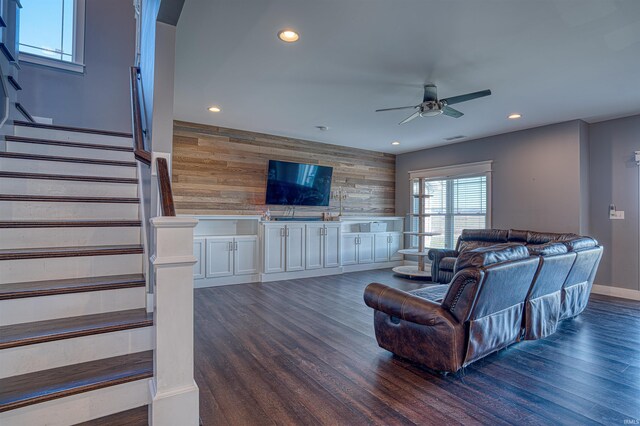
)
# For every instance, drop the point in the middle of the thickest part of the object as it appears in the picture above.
(216, 282)
(370, 266)
(309, 273)
(624, 293)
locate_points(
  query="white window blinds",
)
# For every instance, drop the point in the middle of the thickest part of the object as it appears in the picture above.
(453, 204)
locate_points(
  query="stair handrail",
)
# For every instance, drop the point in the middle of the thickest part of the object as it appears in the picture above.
(140, 151)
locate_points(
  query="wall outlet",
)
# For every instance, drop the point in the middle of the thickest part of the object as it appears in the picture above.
(616, 214)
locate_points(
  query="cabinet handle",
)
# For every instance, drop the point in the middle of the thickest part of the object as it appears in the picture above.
(235, 246)
(323, 231)
(286, 232)
(230, 245)
(282, 232)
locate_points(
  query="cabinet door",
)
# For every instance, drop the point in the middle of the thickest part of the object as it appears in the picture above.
(199, 251)
(395, 244)
(295, 247)
(219, 257)
(245, 257)
(365, 248)
(332, 246)
(381, 247)
(314, 244)
(274, 248)
(349, 249)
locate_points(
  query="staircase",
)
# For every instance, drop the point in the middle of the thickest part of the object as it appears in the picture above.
(76, 340)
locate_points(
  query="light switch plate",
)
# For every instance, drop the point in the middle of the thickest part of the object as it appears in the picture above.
(616, 214)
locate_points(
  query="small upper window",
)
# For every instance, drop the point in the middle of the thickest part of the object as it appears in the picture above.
(52, 33)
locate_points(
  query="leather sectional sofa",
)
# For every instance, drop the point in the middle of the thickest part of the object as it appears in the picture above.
(499, 294)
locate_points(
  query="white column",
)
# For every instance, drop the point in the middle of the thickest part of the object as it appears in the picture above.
(174, 393)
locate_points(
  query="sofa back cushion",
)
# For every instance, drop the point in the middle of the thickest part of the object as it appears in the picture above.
(495, 318)
(474, 238)
(485, 256)
(580, 243)
(548, 249)
(463, 290)
(534, 237)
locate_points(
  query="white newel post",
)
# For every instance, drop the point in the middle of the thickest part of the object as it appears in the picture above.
(174, 393)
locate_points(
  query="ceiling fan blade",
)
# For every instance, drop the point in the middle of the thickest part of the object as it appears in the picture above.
(393, 109)
(451, 112)
(430, 93)
(411, 117)
(467, 97)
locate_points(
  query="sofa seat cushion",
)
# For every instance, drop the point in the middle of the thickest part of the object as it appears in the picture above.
(434, 293)
(486, 256)
(447, 263)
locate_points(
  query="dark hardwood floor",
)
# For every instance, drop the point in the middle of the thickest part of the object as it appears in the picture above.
(304, 352)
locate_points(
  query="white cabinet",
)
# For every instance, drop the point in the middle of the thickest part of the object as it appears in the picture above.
(245, 257)
(284, 247)
(274, 248)
(357, 248)
(199, 245)
(226, 256)
(219, 257)
(332, 246)
(395, 245)
(349, 249)
(387, 245)
(322, 246)
(294, 247)
(314, 246)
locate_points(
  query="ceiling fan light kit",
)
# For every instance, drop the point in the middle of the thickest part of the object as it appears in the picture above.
(431, 106)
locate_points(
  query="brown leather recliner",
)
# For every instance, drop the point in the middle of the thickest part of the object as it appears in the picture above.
(443, 260)
(480, 313)
(577, 287)
(544, 301)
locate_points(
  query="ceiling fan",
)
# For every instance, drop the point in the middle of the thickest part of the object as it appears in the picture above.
(431, 106)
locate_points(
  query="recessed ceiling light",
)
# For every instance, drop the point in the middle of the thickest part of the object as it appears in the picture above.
(514, 116)
(395, 143)
(214, 109)
(322, 128)
(288, 36)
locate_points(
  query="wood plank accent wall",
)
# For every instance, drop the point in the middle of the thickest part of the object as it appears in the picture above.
(224, 171)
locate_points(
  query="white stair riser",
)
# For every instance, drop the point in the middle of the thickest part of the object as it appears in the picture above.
(67, 151)
(17, 311)
(37, 210)
(82, 407)
(67, 187)
(13, 238)
(62, 135)
(65, 168)
(59, 353)
(27, 270)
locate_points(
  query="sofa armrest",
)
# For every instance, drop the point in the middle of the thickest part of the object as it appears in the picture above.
(436, 255)
(403, 305)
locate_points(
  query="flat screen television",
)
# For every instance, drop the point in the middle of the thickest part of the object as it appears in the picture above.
(295, 184)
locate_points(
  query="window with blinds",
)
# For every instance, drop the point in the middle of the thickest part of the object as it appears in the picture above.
(453, 205)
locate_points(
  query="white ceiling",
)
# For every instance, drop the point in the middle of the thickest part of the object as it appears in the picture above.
(550, 60)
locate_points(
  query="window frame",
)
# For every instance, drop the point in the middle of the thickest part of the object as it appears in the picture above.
(77, 63)
(458, 171)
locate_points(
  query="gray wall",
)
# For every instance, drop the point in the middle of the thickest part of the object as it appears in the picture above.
(535, 179)
(614, 179)
(99, 98)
